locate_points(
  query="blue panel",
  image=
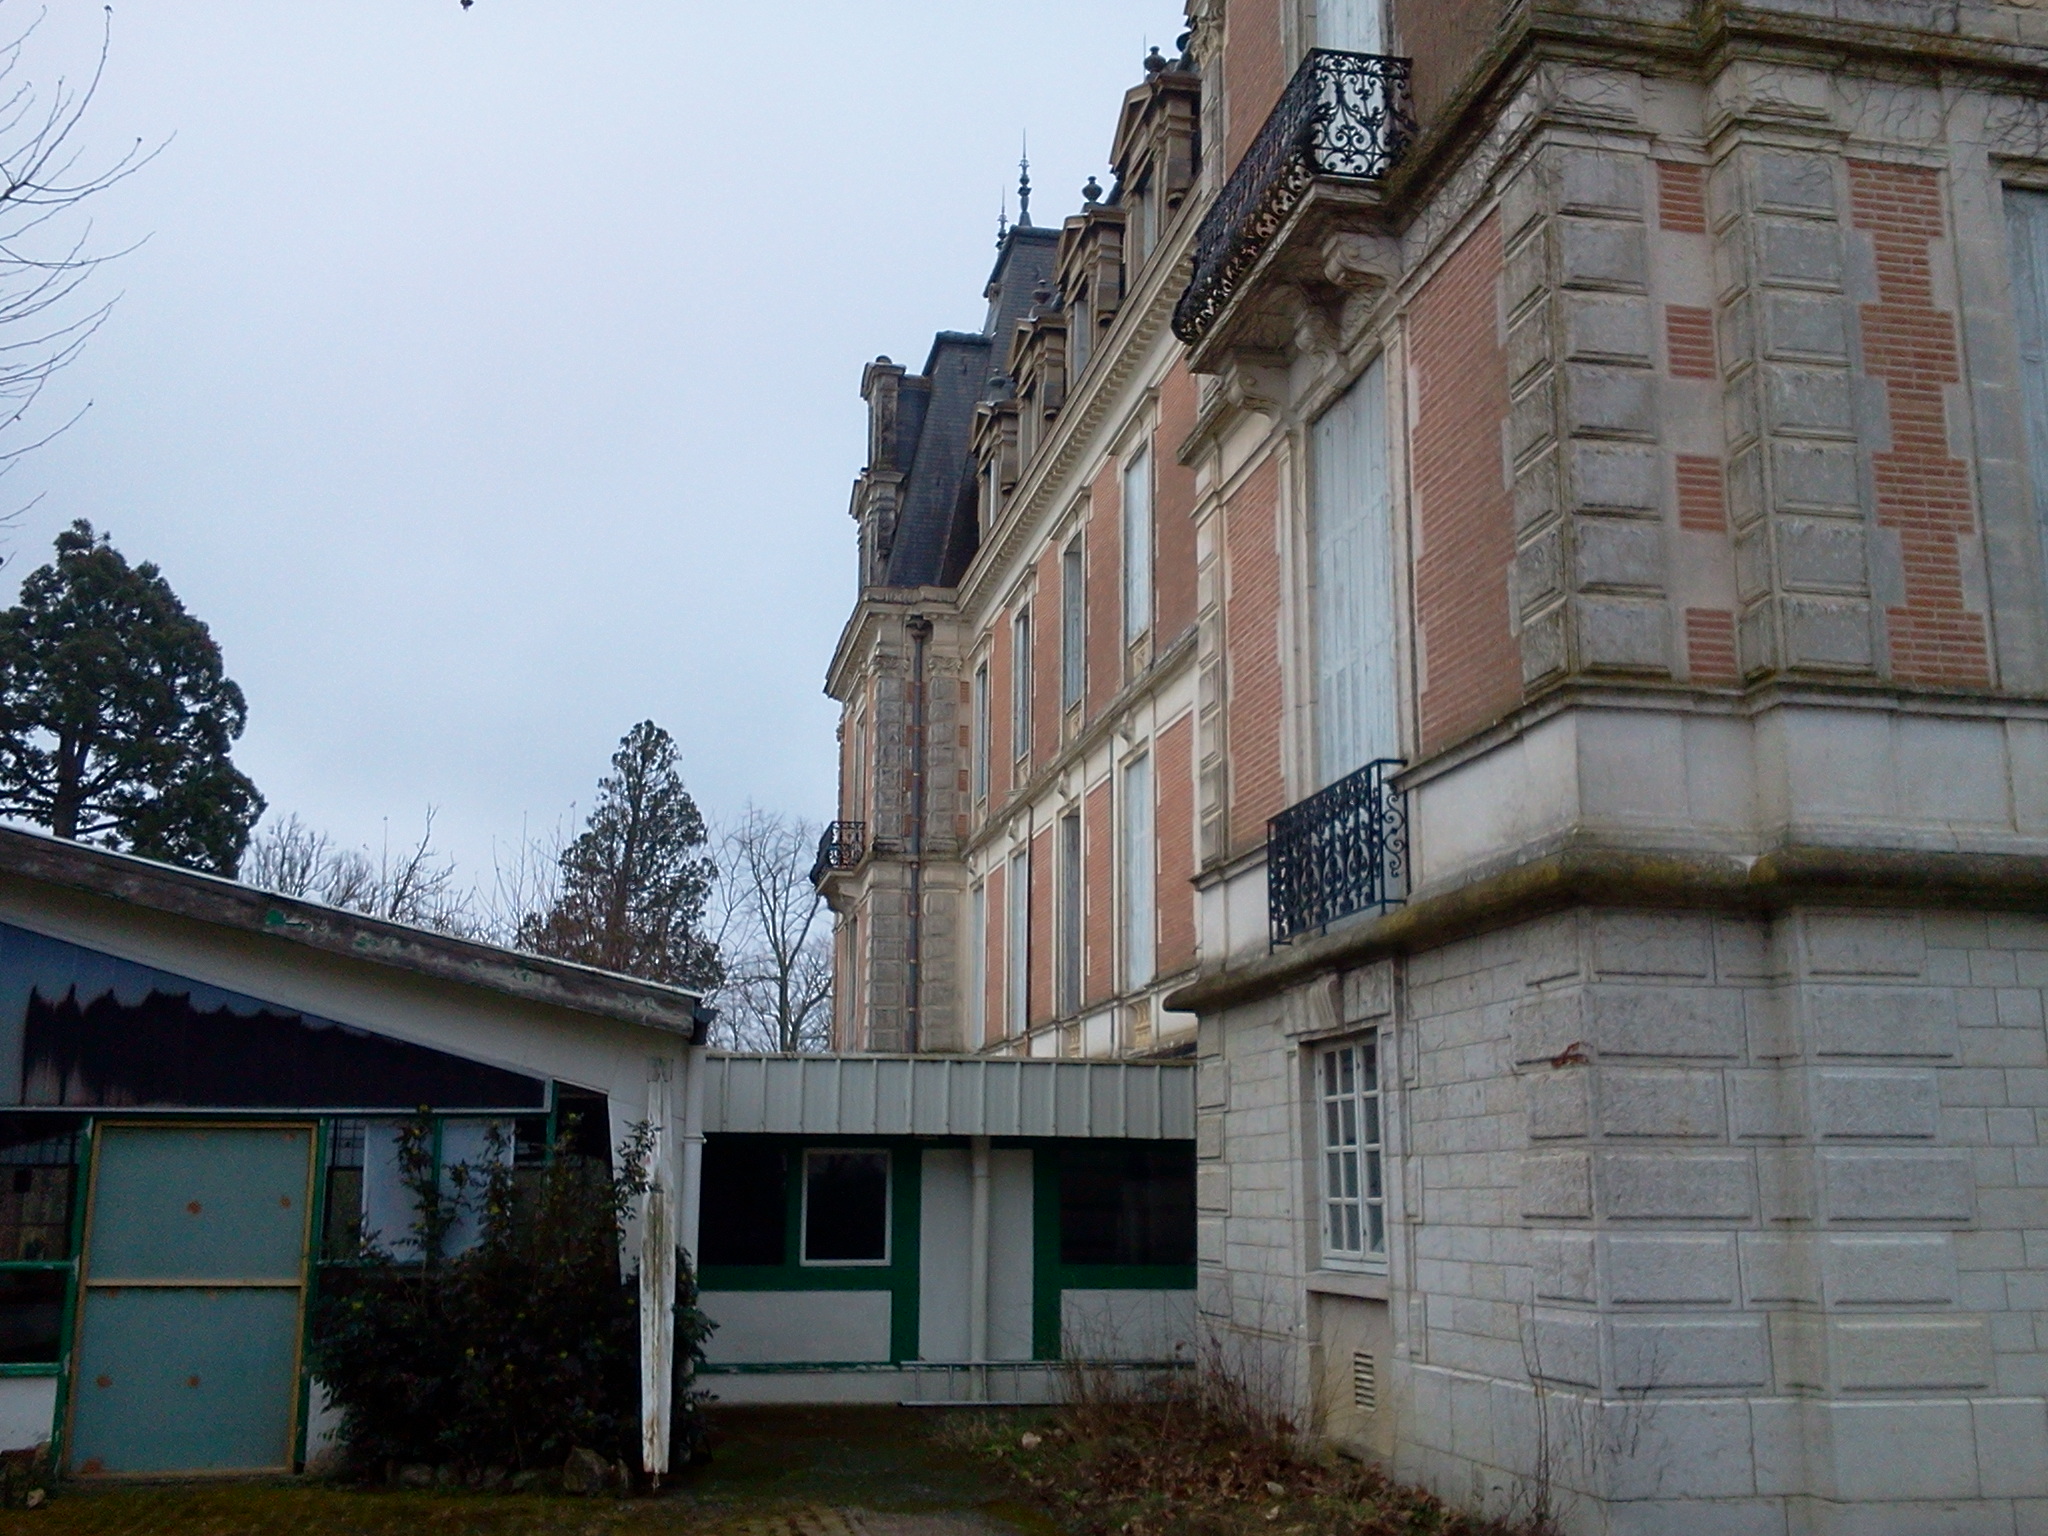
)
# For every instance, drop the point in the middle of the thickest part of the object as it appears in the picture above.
(179, 1379)
(211, 1204)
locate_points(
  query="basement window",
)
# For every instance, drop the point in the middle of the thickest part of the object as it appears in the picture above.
(846, 1206)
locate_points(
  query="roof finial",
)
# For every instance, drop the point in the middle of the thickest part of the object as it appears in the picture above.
(1024, 184)
(1003, 222)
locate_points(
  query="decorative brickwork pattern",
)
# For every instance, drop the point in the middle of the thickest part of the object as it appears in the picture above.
(1681, 197)
(1702, 493)
(1252, 683)
(1098, 980)
(1173, 757)
(1173, 510)
(1039, 996)
(1922, 489)
(1710, 645)
(1470, 672)
(1689, 342)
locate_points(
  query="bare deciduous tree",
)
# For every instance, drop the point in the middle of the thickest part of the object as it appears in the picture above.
(775, 934)
(415, 884)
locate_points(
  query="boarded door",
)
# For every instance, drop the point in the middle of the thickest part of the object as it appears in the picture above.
(195, 1259)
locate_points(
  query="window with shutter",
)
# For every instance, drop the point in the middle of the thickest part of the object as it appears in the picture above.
(1353, 535)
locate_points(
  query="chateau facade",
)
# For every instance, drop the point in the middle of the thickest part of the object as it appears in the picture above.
(1492, 590)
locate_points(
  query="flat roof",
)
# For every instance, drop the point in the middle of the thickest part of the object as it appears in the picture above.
(40, 858)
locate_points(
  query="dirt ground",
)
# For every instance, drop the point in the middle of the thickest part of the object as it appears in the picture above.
(774, 1472)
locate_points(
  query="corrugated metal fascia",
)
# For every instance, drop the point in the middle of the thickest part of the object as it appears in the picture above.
(948, 1096)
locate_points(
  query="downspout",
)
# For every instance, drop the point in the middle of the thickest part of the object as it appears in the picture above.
(920, 629)
(977, 1266)
(692, 1202)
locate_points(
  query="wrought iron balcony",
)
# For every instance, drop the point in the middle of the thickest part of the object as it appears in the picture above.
(1342, 850)
(1343, 115)
(840, 846)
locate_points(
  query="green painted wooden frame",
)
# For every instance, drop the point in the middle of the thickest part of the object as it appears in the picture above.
(899, 1277)
(1050, 1276)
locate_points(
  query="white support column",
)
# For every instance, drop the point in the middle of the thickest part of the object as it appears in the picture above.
(977, 1261)
(693, 1152)
(657, 1277)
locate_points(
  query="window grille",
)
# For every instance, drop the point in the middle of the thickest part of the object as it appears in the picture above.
(1348, 1126)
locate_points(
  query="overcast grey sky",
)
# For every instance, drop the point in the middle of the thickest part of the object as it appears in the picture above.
(488, 380)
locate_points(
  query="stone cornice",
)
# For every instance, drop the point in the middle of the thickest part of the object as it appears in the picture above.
(1588, 873)
(875, 603)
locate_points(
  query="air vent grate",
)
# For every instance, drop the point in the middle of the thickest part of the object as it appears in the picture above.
(1365, 1382)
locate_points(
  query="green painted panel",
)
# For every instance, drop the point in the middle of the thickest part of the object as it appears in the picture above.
(184, 1379)
(219, 1203)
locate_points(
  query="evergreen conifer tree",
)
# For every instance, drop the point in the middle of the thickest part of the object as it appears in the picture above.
(116, 715)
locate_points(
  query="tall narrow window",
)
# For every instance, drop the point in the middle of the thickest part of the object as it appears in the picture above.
(2026, 215)
(1020, 685)
(1070, 913)
(857, 791)
(1347, 1089)
(1137, 545)
(1353, 25)
(1140, 904)
(1017, 948)
(1073, 625)
(981, 732)
(977, 966)
(1353, 535)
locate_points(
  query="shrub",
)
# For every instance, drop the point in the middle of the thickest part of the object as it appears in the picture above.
(516, 1350)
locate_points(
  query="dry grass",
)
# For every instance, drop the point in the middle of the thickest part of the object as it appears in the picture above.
(1201, 1454)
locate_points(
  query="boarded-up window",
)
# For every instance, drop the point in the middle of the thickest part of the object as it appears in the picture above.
(1017, 968)
(1353, 25)
(1137, 545)
(1140, 904)
(1073, 626)
(1070, 913)
(2027, 222)
(1353, 536)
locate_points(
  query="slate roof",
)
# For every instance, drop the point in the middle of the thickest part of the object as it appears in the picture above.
(936, 532)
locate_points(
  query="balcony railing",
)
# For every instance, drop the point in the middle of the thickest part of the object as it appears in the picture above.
(1343, 115)
(840, 846)
(1342, 850)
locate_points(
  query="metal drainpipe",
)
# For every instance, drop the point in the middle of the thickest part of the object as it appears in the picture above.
(920, 629)
(977, 1263)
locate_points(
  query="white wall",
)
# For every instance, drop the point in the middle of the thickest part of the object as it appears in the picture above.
(785, 1327)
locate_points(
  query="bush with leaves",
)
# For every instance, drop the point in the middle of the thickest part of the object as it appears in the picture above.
(514, 1351)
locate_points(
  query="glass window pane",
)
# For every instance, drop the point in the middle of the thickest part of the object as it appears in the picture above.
(846, 1207)
(31, 1315)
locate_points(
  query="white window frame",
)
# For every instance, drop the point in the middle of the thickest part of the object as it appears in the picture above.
(1136, 486)
(803, 1224)
(977, 963)
(1344, 1088)
(981, 729)
(1073, 623)
(1139, 875)
(1017, 945)
(1020, 684)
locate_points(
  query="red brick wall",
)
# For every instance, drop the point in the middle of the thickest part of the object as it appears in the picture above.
(1681, 197)
(992, 976)
(1098, 978)
(1173, 511)
(1471, 666)
(999, 756)
(1689, 341)
(1922, 489)
(1251, 655)
(1710, 645)
(1173, 758)
(1254, 72)
(1045, 674)
(1039, 1002)
(1104, 554)
(1445, 39)
(1702, 494)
